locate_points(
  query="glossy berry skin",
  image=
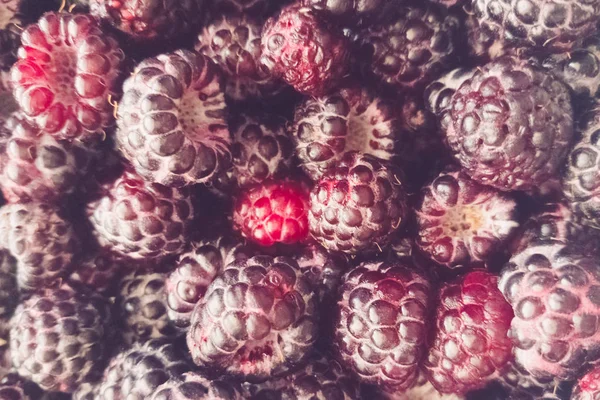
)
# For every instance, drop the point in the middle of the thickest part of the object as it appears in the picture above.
(137, 372)
(149, 19)
(461, 221)
(233, 43)
(588, 386)
(273, 212)
(415, 47)
(192, 386)
(261, 149)
(348, 10)
(15, 387)
(520, 384)
(59, 337)
(67, 68)
(141, 220)
(512, 124)
(171, 120)
(9, 292)
(552, 289)
(356, 206)
(549, 26)
(35, 166)
(195, 271)
(351, 119)
(142, 309)
(42, 241)
(582, 176)
(471, 345)
(382, 323)
(307, 53)
(258, 319)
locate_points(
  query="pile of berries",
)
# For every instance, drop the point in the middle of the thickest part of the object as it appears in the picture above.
(300, 199)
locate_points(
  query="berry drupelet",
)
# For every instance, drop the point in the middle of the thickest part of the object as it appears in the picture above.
(171, 120)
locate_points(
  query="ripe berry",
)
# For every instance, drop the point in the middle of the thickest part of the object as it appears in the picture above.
(258, 319)
(195, 271)
(193, 386)
(273, 212)
(59, 337)
(98, 272)
(67, 68)
(348, 11)
(42, 241)
(171, 120)
(552, 289)
(233, 43)
(471, 345)
(352, 119)
(299, 46)
(410, 49)
(461, 221)
(588, 386)
(35, 166)
(141, 220)
(382, 322)
(149, 19)
(512, 125)
(356, 206)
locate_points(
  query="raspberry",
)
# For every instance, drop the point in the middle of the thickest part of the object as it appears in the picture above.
(381, 323)
(322, 378)
(257, 319)
(138, 372)
(41, 240)
(352, 119)
(471, 345)
(195, 271)
(34, 166)
(582, 177)
(512, 125)
(149, 19)
(356, 206)
(192, 386)
(142, 307)
(171, 120)
(59, 337)
(67, 69)
(424, 390)
(587, 387)
(412, 49)
(233, 43)
(142, 220)
(98, 272)
(323, 270)
(273, 212)
(300, 47)
(461, 221)
(261, 149)
(552, 290)
(544, 26)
